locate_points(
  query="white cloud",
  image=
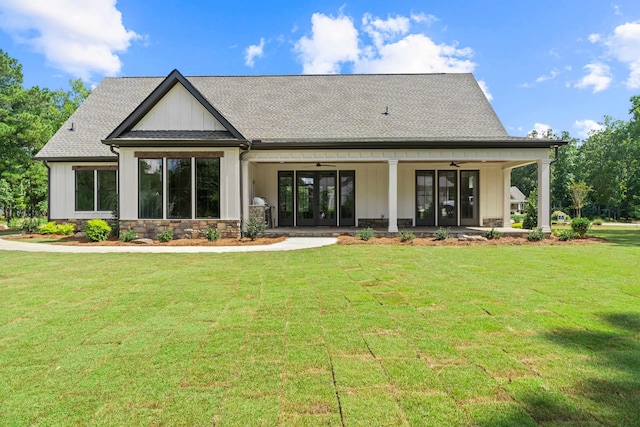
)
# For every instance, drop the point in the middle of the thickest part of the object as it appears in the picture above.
(392, 48)
(624, 45)
(599, 77)
(333, 41)
(422, 17)
(594, 38)
(616, 10)
(485, 89)
(540, 129)
(77, 36)
(554, 73)
(252, 52)
(586, 127)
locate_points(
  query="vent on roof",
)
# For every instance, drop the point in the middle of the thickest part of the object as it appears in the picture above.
(72, 128)
(386, 112)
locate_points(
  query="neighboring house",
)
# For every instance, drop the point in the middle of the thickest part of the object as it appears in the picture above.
(392, 151)
(517, 200)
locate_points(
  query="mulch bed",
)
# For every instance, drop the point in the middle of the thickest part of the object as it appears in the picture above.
(430, 241)
(112, 241)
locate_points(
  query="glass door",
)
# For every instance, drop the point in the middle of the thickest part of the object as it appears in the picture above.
(469, 203)
(447, 196)
(326, 198)
(285, 198)
(348, 198)
(306, 197)
(425, 212)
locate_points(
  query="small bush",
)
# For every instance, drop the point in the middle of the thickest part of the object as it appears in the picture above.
(255, 228)
(406, 236)
(14, 223)
(517, 217)
(493, 234)
(597, 221)
(441, 233)
(30, 225)
(365, 233)
(212, 234)
(535, 235)
(49, 228)
(581, 226)
(516, 225)
(165, 236)
(128, 235)
(565, 235)
(66, 229)
(97, 230)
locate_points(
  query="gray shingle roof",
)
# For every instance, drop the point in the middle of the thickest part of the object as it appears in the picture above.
(445, 107)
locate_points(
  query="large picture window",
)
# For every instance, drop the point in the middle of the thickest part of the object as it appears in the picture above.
(95, 188)
(150, 188)
(191, 185)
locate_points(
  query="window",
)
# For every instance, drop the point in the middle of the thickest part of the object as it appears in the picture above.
(150, 188)
(84, 190)
(95, 188)
(192, 186)
(178, 188)
(208, 188)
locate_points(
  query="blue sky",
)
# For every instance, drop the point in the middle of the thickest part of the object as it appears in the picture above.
(558, 64)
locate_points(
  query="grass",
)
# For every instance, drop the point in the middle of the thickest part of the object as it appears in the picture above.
(342, 335)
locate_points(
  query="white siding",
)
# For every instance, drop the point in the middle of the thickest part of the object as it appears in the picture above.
(178, 110)
(62, 192)
(229, 181)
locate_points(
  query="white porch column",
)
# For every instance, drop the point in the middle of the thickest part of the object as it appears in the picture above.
(393, 196)
(544, 197)
(506, 197)
(245, 192)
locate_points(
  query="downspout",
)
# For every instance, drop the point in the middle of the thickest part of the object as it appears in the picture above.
(48, 189)
(242, 154)
(117, 216)
(557, 147)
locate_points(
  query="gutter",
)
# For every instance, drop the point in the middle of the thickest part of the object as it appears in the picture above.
(242, 154)
(112, 148)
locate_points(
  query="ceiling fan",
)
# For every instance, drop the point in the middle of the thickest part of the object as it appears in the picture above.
(456, 164)
(319, 165)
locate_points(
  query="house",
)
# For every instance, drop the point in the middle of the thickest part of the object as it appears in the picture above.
(517, 200)
(189, 153)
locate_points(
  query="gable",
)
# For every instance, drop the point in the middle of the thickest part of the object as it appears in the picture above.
(178, 110)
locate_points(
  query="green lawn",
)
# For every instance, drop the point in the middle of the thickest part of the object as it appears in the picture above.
(353, 335)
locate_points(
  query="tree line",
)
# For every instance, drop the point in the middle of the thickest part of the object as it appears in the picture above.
(28, 119)
(595, 177)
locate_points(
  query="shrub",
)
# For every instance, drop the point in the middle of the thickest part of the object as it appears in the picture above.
(530, 220)
(49, 228)
(365, 233)
(597, 221)
(441, 233)
(212, 234)
(516, 225)
(517, 217)
(30, 225)
(406, 236)
(66, 229)
(128, 235)
(255, 228)
(14, 223)
(565, 235)
(581, 226)
(165, 236)
(97, 230)
(493, 234)
(535, 235)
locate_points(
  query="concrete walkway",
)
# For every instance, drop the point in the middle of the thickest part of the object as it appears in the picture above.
(290, 244)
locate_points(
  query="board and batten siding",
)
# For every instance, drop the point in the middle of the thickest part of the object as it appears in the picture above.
(179, 110)
(62, 192)
(229, 179)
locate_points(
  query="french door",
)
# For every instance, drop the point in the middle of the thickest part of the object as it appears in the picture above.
(316, 198)
(446, 197)
(425, 190)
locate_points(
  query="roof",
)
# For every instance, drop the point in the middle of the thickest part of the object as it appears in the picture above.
(295, 111)
(516, 195)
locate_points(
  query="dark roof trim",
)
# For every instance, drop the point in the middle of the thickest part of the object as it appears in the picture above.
(407, 144)
(177, 143)
(110, 159)
(167, 84)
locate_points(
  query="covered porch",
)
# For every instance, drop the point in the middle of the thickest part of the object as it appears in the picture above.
(383, 232)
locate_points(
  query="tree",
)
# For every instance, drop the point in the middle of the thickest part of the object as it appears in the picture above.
(578, 192)
(28, 119)
(563, 171)
(530, 220)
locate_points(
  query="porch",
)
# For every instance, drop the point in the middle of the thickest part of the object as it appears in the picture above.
(383, 232)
